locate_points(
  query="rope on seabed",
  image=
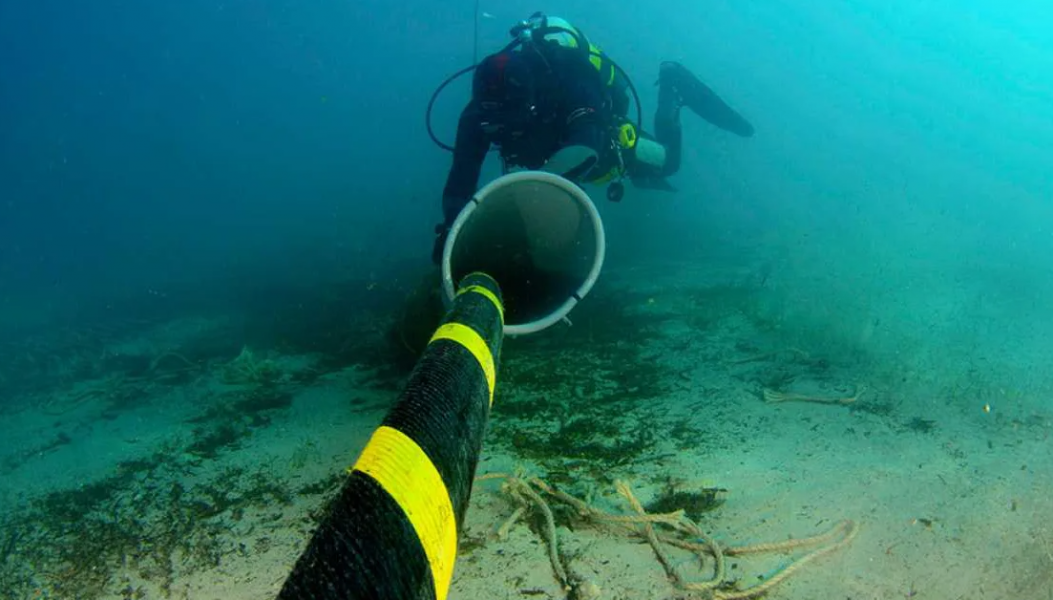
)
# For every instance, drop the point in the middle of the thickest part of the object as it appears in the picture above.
(527, 493)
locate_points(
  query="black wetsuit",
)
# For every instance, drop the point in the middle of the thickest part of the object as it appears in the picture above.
(573, 108)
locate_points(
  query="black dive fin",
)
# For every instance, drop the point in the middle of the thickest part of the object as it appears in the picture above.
(703, 101)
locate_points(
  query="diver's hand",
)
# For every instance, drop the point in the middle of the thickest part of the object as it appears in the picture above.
(441, 233)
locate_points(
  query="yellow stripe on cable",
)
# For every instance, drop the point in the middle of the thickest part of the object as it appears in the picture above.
(478, 289)
(474, 343)
(406, 473)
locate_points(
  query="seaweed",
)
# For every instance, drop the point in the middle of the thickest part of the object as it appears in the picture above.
(208, 442)
(920, 425)
(694, 503)
(141, 521)
(597, 445)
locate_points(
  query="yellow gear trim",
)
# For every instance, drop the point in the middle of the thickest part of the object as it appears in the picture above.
(474, 343)
(596, 57)
(406, 473)
(627, 135)
(490, 295)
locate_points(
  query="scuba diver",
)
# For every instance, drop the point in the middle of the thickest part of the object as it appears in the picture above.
(551, 100)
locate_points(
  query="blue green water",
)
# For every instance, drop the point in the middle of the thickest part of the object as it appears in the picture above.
(181, 181)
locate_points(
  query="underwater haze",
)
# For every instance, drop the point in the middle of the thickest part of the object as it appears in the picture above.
(213, 212)
(151, 144)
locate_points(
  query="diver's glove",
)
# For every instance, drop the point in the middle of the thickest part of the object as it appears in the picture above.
(442, 231)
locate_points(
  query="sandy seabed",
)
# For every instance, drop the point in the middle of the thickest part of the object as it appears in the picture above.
(199, 486)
